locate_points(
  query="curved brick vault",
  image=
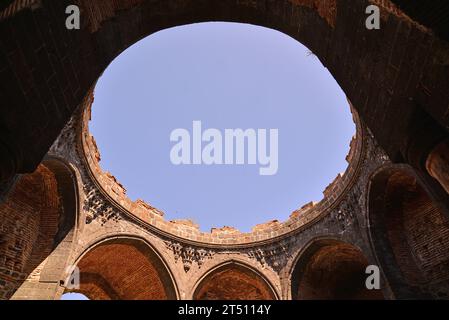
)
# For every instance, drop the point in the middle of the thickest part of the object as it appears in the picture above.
(37, 229)
(399, 70)
(124, 269)
(410, 233)
(390, 208)
(331, 269)
(233, 281)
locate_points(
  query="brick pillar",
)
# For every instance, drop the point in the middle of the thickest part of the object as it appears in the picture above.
(437, 164)
(44, 283)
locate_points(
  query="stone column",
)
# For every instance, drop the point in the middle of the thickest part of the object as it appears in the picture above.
(437, 164)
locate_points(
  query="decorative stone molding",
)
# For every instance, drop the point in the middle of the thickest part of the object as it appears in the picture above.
(189, 254)
(66, 143)
(345, 215)
(274, 257)
(106, 200)
(98, 207)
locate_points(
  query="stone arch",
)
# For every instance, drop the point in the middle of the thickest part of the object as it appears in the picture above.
(330, 269)
(38, 220)
(233, 280)
(409, 232)
(334, 30)
(124, 268)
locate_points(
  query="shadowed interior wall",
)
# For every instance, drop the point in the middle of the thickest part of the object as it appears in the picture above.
(398, 72)
(395, 72)
(36, 221)
(409, 226)
(332, 270)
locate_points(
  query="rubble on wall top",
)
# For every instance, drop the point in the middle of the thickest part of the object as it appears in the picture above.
(225, 230)
(266, 225)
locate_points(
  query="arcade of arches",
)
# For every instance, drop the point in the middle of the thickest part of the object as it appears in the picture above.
(390, 208)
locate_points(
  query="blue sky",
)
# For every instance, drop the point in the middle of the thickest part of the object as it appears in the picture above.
(227, 76)
(73, 296)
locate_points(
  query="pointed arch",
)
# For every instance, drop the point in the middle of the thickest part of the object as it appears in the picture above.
(124, 268)
(329, 268)
(409, 232)
(234, 280)
(40, 214)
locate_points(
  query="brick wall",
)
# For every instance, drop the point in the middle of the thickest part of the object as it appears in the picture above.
(124, 269)
(427, 231)
(333, 270)
(233, 282)
(28, 224)
(46, 70)
(398, 72)
(418, 232)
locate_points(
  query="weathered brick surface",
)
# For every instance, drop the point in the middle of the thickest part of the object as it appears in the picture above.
(397, 71)
(396, 78)
(233, 282)
(28, 224)
(416, 230)
(332, 270)
(118, 243)
(122, 270)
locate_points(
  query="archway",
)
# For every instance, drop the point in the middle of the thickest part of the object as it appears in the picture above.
(124, 269)
(233, 281)
(70, 62)
(410, 234)
(331, 269)
(37, 228)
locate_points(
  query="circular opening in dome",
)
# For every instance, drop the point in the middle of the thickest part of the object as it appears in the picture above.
(226, 124)
(74, 296)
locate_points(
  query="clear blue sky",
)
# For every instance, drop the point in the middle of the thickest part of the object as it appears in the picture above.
(227, 76)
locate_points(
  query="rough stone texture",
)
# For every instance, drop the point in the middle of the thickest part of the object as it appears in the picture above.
(385, 209)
